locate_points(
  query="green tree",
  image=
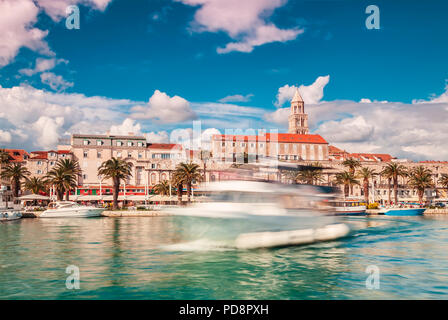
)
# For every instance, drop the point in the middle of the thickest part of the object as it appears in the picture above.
(162, 188)
(366, 174)
(443, 180)
(35, 185)
(392, 171)
(15, 173)
(420, 178)
(351, 164)
(71, 168)
(187, 173)
(61, 180)
(115, 169)
(346, 179)
(4, 156)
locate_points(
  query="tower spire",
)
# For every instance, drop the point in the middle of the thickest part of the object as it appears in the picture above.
(298, 119)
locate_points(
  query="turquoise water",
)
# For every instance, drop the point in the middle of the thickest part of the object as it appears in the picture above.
(128, 258)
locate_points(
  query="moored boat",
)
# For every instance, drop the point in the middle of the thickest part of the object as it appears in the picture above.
(347, 208)
(402, 211)
(68, 209)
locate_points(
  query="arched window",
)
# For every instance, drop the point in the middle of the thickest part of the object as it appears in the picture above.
(153, 178)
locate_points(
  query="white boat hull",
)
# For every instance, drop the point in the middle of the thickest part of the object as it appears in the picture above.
(8, 215)
(72, 213)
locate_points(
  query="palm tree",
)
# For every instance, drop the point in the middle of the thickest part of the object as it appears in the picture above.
(366, 174)
(346, 179)
(4, 156)
(71, 168)
(443, 180)
(393, 171)
(205, 156)
(35, 185)
(187, 173)
(351, 164)
(15, 172)
(116, 169)
(62, 180)
(162, 188)
(420, 179)
(177, 182)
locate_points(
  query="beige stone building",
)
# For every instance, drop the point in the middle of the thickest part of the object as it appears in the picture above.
(296, 145)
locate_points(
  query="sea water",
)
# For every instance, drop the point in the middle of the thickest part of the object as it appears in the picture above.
(151, 258)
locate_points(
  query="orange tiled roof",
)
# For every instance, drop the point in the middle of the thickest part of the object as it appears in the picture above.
(166, 146)
(280, 137)
(39, 155)
(64, 151)
(371, 156)
(333, 149)
(17, 155)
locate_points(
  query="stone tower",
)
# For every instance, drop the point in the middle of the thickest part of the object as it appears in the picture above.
(298, 119)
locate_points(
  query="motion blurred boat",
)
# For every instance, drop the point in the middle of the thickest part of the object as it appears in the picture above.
(69, 209)
(347, 208)
(254, 214)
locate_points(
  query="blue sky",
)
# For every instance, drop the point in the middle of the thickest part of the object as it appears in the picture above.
(126, 50)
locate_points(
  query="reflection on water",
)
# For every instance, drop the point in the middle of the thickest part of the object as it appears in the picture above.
(137, 258)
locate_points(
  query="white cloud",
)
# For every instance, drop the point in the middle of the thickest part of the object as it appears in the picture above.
(415, 131)
(157, 137)
(55, 82)
(128, 126)
(311, 94)
(48, 130)
(244, 21)
(5, 136)
(164, 109)
(37, 118)
(42, 65)
(17, 18)
(237, 98)
(56, 9)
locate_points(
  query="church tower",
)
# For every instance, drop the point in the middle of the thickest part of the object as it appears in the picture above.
(298, 119)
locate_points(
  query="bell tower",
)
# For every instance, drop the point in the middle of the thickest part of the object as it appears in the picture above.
(298, 119)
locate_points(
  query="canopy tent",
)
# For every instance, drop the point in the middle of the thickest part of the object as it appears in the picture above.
(32, 197)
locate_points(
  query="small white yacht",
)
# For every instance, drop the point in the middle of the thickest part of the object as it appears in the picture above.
(6, 213)
(347, 208)
(69, 209)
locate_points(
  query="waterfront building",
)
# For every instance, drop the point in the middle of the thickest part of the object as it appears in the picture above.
(39, 163)
(296, 145)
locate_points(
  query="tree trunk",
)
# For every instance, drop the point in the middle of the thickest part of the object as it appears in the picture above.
(179, 193)
(67, 195)
(60, 194)
(420, 195)
(205, 170)
(396, 190)
(346, 190)
(366, 191)
(188, 192)
(116, 189)
(389, 191)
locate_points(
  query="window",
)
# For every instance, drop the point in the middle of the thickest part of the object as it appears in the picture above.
(166, 156)
(51, 163)
(51, 154)
(39, 163)
(153, 165)
(261, 145)
(98, 154)
(99, 142)
(84, 176)
(86, 142)
(129, 155)
(223, 144)
(140, 155)
(39, 171)
(119, 143)
(86, 154)
(130, 143)
(140, 144)
(252, 145)
(243, 144)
